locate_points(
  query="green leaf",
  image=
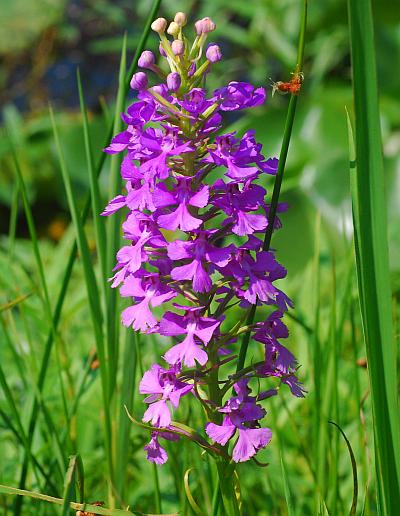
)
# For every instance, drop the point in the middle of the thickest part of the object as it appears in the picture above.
(286, 489)
(372, 257)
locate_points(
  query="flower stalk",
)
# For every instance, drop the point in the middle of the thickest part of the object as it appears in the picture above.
(193, 249)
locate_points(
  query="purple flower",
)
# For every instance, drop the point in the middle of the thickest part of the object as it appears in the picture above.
(155, 452)
(241, 420)
(237, 204)
(164, 389)
(195, 101)
(194, 215)
(147, 59)
(147, 291)
(184, 197)
(202, 257)
(145, 235)
(239, 95)
(192, 325)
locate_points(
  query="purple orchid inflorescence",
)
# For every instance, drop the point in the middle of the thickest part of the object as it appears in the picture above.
(194, 248)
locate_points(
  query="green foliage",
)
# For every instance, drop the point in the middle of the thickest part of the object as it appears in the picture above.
(61, 395)
(372, 259)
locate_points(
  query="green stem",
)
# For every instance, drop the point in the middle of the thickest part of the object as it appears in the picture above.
(279, 176)
(157, 491)
(216, 499)
(227, 488)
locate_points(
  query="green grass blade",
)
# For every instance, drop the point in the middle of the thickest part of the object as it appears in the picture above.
(193, 504)
(113, 234)
(69, 486)
(11, 403)
(32, 233)
(95, 509)
(128, 388)
(372, 258)
(92, 292)
(10, 426)
(353, 507)
(68, 270)
(13, 220)
(286, 489)
(97, 203)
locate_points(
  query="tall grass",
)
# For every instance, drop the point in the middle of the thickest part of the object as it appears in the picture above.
(90, 280)
(370, 224)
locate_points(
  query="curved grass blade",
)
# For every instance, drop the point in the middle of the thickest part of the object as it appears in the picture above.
(196, 509)
(354, 470)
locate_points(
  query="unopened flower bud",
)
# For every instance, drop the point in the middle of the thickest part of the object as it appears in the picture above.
(159, 25)
(181, 19)
(178, 47)
(162, 51)
(147, 59)
(204, 26)
(192, 70)
(174, 81)
(139, 81)
(173, 29)
(213, 53)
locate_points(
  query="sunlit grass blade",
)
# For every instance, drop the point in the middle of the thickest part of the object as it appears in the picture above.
(193, 504)
(14, 302)
(95, 509)
(372, 258)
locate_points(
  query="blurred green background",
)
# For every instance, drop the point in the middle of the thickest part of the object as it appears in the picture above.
(258, 39)
(42, 42)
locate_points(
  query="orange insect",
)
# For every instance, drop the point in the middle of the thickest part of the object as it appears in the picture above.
(292, 87)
